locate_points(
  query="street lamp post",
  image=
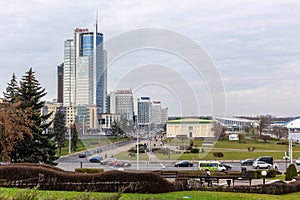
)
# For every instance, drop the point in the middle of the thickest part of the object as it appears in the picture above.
(70, 138)
(290, 147)
(137, 153)
(83, 121)
(286, 157)
(264, 174)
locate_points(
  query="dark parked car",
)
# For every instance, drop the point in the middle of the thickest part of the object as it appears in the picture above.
(184, 164)
(228, 167)
(248, 161)
(96, 159)
(82, 155)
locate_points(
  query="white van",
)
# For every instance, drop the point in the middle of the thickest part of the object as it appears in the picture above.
(210, 165)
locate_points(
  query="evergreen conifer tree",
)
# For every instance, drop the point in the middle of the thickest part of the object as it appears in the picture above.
(11, 90)
(42, 147)
(59, 129)
(74, 135)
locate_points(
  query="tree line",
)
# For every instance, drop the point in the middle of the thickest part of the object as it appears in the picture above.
(24, 130)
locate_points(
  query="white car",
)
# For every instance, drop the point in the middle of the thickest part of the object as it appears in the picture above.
(261, 165)
(297, 162)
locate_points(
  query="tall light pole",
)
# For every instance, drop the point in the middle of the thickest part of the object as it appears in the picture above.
(290, 147)
(70, 138)
(137, 152)
(83, 121)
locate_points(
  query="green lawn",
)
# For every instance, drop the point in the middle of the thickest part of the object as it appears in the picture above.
(124, 156)
(259, 145)
(232, 150)
(228, 155)
(165, 196)
(84, 144)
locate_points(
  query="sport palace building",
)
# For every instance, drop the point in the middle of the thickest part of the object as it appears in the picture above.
(190, 128)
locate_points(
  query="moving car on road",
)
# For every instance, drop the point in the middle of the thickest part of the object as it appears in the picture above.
(184, 163)
(228, 167)
(96, 159)
(82, 155)
(119, 164)
(297, 162)
(248, 161)
(261, 165)
(267, 159)
(107, 160)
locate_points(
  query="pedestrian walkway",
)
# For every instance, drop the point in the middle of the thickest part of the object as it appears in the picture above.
(114, 149)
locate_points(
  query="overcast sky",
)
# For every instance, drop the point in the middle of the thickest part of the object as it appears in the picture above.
(254, 45)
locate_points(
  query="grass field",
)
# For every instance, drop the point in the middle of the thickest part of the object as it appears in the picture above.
(10, 192)
(84, 144)
(228, 155)
(124, 156)
(233, 150)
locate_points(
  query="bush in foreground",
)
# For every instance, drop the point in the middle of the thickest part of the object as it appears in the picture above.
(291, 172)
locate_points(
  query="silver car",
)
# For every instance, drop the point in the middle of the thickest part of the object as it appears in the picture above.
(261, 165)
(297, 162)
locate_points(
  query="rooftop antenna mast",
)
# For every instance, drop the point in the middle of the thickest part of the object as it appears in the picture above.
(97, 16)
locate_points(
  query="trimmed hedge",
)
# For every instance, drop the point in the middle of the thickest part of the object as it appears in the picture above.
(25, 176)
(256, 174)
(194, 150)
(218, 154)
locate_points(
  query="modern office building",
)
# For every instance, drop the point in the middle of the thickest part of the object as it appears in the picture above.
(164, 115)
(85, 77)
(144, 111)
(121, 103)
(155, 112)
(60, 83)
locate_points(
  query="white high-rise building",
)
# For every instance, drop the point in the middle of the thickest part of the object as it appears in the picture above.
(155, 112)
(164, 115)
(121, 103)
(159, 115)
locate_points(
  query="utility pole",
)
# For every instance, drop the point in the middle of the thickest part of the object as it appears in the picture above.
(70, 138)
(290, 147)
(137, 153)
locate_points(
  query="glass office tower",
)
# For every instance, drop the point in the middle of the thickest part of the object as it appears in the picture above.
(89, 86)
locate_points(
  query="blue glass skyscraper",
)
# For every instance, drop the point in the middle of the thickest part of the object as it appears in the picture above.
(85, 85)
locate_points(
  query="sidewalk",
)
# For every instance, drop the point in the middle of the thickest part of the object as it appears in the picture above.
(114, 149)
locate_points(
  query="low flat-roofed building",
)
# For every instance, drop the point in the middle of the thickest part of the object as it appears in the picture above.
(190, 128)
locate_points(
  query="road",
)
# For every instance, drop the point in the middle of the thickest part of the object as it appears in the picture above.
(73, 161)
(144, 165)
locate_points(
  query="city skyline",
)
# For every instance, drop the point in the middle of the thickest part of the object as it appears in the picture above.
(252, 44)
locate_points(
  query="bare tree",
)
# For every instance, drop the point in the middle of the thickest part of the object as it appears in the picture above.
(280, 132)
(264, 121)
